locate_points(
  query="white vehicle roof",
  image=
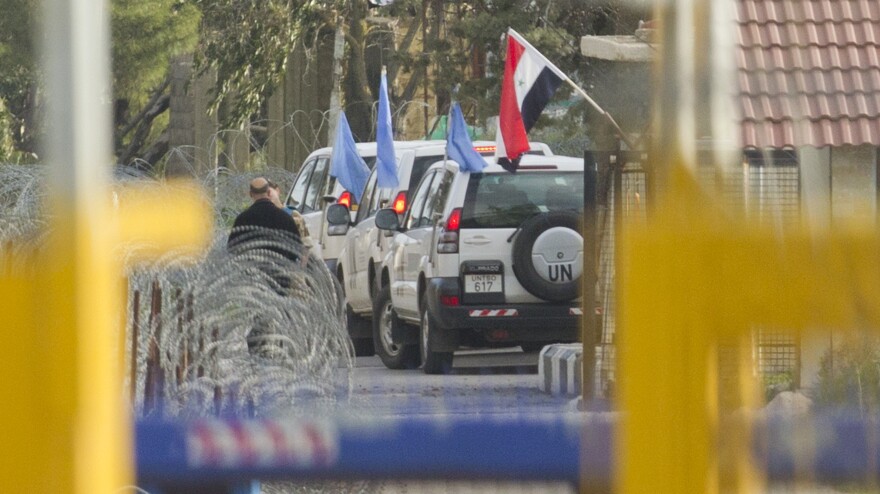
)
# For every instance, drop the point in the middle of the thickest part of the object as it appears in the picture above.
(369, 148)
(528, 162)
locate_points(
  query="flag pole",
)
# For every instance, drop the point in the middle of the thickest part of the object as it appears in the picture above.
(602, 112)
(578, 89)
(449, 122)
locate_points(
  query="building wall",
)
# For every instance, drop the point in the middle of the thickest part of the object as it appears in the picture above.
(838, 187)
(854, 184)
(815, 167)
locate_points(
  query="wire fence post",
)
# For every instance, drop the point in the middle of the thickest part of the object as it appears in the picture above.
(589, 322)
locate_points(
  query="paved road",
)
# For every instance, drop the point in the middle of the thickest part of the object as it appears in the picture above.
(498, 382)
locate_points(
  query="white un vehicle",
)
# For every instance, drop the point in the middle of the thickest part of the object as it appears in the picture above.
(482, 259)
(363, 246)
(314, 188)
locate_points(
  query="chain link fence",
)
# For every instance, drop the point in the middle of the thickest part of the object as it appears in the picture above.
(766, 189)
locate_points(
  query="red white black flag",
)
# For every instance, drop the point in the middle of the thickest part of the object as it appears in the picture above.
(529, 82)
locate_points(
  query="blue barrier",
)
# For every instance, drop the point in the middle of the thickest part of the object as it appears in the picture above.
(828, 448)
(825, 449)
(232, 450)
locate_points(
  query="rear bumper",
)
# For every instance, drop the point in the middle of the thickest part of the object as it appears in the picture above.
(521, 322)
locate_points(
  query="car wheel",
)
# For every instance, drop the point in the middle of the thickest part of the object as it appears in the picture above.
(548, 256)
(385, 320)
(375, 283)
(357, 327)
(433, 362)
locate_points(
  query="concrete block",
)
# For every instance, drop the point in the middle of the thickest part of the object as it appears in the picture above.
(560, 369)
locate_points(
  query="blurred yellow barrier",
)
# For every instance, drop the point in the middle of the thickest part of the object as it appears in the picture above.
(157, 218)
(693, 278)
(65, 420)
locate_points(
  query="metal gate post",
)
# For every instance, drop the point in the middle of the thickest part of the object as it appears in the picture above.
(589, 323)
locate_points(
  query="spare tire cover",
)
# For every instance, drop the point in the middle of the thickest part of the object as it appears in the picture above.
(548, 256)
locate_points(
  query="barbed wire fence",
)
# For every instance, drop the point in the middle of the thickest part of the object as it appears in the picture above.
(209, 335)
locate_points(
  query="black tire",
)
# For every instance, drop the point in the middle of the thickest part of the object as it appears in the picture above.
(375, 283)
(433, 362)
(357, 327)
(524, 267)
(385, 320)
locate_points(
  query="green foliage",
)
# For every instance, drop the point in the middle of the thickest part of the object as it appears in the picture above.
(146, 34)
(849, 375)
(7, 147)
(18, 60)
(465, 47)
(248, 43)
(776, 383)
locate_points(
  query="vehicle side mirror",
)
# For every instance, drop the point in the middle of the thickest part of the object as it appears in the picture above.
(386, 219)
(339, 219)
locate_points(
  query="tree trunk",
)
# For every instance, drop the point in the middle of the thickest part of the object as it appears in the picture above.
(358, 103)
(336, 93)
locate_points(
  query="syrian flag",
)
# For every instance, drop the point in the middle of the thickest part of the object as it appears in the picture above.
(529, 82)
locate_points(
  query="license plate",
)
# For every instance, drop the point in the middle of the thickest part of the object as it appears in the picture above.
(482, 283)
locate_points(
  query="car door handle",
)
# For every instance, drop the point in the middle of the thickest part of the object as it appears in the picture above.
(477, 241)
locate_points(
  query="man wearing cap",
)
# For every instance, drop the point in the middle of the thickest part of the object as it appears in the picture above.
(267, 240)
(262, 213)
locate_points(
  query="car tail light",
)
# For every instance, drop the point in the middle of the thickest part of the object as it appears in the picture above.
(345, 199)
(399, 204)
(448, 243)
(484, 149)
(449, 300)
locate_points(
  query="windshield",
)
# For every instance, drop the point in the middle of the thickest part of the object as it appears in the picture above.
(506, 200)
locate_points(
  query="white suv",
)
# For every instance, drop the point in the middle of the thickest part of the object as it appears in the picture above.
(314, 188)
(483, 259)
(365, 245)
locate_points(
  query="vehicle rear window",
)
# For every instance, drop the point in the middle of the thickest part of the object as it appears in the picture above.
(420, 165)
(505, 200)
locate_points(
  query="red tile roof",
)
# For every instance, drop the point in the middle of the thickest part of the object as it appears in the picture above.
(809, 72)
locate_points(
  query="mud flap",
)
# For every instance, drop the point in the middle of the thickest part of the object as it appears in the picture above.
(445, 340)
(405, 334)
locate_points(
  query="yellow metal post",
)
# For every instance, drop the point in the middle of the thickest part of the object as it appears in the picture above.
(668, 278)
(64, 416)
(697, 276)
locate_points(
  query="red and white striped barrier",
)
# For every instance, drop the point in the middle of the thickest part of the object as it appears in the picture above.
(219, 443)
(493, 313)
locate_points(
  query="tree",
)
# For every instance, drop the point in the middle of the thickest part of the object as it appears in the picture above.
(462, 45)
(248, 44)
(144, 35)
(18, 92)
